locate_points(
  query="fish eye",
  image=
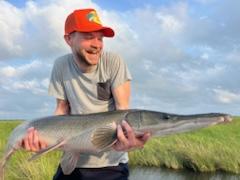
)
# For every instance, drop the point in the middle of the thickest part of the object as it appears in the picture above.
(166, 116)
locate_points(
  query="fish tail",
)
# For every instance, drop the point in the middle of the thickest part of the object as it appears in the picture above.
(2, 165)
(6, 156)
(2, 170)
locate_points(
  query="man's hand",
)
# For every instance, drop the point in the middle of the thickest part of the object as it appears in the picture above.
(32, 142)
(128, 141)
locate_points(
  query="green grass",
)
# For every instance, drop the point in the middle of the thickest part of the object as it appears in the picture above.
(210, 149)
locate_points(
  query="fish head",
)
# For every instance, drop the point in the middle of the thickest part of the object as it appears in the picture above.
(164, 123)
(144, 118)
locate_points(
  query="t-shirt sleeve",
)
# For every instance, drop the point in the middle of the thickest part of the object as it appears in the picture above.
(119, 72)
(56, 86)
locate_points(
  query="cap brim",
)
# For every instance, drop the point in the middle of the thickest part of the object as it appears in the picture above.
(107, 31)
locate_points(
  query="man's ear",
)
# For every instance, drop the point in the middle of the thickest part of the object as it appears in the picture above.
(68, 39)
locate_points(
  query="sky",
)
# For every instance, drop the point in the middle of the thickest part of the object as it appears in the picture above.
(184, 56)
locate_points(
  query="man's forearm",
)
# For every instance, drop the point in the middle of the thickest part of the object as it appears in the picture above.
(121, 96)
(62, 107)
(60, 112)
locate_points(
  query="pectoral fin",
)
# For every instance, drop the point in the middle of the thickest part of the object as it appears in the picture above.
(58, 144)
(69, 162)
(105, 136)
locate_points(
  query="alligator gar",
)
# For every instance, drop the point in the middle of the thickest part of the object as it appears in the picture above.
(97, 132)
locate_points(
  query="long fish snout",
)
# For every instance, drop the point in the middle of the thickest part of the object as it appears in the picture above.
(224, 119)
(227, 118)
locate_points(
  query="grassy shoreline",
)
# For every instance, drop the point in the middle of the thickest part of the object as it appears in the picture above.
(206, 150)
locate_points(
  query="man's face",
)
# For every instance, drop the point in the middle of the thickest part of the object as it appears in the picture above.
(87, 46)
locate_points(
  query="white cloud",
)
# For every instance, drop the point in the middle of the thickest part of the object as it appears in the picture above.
(29, 86)
(23, 90)
(25, 85)
(7, 71)
(234, 56)
(45, 82)
(169, 23)
(11, 22)
(226, 97)
(205, 56)
(27, 78)
(205, 1)
(19, 71)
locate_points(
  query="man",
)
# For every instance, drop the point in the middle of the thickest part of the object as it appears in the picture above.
(86, 81)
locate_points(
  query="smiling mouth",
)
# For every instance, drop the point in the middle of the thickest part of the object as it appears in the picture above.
(93, 52)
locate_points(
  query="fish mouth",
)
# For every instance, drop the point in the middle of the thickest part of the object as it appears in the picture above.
(225, 119)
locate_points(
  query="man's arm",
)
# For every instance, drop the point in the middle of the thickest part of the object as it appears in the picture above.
(121, 95)
(129, 141)
(62, 107)
(32, 141)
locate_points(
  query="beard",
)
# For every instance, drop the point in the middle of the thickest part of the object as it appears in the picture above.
(88, 57)
(82, 58)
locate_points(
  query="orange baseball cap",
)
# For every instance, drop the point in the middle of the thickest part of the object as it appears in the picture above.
(86, 20)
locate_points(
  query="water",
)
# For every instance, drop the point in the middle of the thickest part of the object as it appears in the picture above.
(140, 173)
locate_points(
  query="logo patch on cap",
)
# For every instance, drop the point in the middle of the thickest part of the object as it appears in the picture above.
(93, 17)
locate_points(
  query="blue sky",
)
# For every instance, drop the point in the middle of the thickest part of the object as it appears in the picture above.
(184, 56)
(128, 5)
(122, 5)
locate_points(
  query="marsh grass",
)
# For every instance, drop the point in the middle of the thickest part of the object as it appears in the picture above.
(41, 169)
(210, 149)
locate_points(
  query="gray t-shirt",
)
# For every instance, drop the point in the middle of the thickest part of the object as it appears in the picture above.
(90, 93)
